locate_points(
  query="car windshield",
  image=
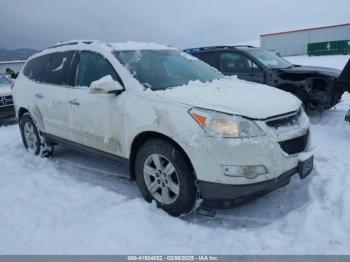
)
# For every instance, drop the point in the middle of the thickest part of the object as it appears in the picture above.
(162, 69)
(4, 80)
(269, 59)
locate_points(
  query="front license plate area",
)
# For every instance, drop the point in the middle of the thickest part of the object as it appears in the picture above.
(305, 167)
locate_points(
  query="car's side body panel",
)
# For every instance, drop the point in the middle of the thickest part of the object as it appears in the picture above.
(92, 118)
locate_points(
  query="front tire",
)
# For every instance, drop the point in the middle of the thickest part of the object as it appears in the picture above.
(33, 141)
(163, 174)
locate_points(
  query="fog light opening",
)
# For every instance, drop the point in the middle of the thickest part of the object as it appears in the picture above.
(249, 172)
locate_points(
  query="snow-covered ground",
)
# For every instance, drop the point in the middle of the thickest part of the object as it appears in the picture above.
(79, 204)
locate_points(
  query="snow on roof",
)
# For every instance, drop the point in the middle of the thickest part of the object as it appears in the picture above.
(116, 46)
(139, 46)
(97, 45)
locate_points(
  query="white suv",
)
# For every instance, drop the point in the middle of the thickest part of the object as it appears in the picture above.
(189, 133)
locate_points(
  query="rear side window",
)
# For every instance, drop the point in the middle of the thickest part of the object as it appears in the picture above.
(36, 68)
(59, 68)
(232, 62)
(92, 67)
(53, 68)
(210, 58)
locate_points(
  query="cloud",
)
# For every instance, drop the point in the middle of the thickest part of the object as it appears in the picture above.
(39, 23)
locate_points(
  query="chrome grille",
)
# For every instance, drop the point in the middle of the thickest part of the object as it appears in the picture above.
(6, 101)
(284, 121)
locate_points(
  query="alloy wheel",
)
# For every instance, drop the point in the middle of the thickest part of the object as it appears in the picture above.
(30, 137)
(161, 179)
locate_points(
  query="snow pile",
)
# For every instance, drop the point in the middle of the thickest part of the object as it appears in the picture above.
(78, 204)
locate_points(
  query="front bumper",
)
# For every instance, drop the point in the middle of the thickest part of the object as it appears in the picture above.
(224, 196)
(208, 155)
(279, 150)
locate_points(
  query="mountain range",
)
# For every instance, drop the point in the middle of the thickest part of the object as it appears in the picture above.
(17, 54)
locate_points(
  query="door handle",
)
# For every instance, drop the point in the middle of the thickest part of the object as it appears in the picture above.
(74, 102)
(39, 95)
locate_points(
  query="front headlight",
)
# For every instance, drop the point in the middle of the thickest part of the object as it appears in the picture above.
(218, 124)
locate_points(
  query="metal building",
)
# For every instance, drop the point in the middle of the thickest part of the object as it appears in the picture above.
(299, 42)
(14, 65)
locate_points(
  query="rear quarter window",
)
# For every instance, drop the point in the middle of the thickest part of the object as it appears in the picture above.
(36, 68)
(52, 68)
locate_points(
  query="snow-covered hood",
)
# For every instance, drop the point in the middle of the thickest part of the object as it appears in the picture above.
(235, 96)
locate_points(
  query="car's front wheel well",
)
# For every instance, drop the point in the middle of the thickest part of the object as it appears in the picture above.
(21, 112)
(140, 139)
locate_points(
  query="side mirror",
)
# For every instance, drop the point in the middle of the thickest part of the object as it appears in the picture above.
(106, 85)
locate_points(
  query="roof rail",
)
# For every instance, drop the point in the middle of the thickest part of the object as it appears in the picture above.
(250, 46)
(70, 43)
(62, 44)
(194, 50)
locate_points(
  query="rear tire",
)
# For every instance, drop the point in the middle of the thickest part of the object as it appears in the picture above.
(163, 174)
(33, 141)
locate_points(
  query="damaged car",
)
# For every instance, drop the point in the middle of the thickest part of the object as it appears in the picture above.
(189, 134)
(6, 102)
(317, 87)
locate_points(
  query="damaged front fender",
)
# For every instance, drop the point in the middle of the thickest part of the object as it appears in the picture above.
(344, 78)
(314, 88)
